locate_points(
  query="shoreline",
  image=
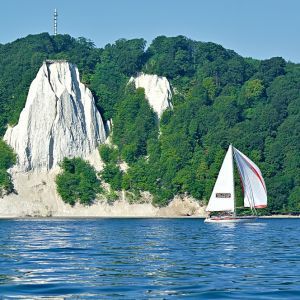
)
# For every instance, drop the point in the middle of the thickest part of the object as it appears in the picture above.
(280, 217)
(129, 217)
(100, 217)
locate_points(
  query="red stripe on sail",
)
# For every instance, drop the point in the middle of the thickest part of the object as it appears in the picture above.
(256, 173)
(261, 206)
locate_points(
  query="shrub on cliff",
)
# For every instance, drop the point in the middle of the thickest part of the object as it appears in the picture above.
(77, 182)
(112, 175)
(7, 160)
(7, 156)
(108, 154)
(6, 185)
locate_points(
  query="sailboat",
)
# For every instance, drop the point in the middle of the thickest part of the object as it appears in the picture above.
(223, 199)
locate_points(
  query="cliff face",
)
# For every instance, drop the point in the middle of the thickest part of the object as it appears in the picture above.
(157, 91)
(59, 120)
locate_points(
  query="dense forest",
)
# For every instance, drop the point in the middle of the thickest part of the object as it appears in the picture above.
(219, 98)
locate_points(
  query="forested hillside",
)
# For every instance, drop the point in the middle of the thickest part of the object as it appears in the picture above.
(219, 98)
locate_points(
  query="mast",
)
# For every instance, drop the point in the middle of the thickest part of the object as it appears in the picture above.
(233, 192)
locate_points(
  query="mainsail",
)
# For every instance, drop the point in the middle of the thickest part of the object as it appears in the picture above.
(222, 197)
(255, 192)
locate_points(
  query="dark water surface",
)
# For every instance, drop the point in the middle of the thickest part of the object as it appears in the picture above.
(149, 259)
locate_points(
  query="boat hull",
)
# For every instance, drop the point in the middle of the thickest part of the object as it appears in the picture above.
(230, 219)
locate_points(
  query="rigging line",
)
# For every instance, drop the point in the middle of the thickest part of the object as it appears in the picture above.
(251, 194)
(245, 177)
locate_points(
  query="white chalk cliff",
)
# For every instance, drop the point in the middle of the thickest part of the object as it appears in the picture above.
(59, 120)
(157, 91)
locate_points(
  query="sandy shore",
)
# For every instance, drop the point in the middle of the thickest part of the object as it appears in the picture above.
(281, 217)
(37, 197)
(70, 217)
(100, 217)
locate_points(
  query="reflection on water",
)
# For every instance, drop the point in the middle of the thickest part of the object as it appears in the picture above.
(149, 258)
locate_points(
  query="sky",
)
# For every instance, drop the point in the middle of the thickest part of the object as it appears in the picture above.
(253, 28)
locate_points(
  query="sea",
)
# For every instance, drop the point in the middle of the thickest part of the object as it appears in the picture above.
(149, 259)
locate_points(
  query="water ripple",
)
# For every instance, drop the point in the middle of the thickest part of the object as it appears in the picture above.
(148, 259)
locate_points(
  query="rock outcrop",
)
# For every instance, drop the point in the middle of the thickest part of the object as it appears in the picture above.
(59, 120)
(157, 91)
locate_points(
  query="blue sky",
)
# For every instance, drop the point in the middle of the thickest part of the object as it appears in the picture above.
(255, 28)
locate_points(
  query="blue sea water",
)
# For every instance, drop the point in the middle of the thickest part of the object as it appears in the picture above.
(149, 259)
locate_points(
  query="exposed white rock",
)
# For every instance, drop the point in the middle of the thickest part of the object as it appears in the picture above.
(183, 206)
(59, 120)
(123, 166)
(37, 197)
(157, 91)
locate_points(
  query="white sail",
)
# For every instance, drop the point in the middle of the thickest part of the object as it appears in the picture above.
(222, 197)
(255, 192)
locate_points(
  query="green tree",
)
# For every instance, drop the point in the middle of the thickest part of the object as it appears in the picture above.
(170, 57)
(134, 124)
(77, 182)
(251, 92)
(7, 160)
(112, 175)
(108, 154)
(271, 68)
(7, 156)
(294, 200)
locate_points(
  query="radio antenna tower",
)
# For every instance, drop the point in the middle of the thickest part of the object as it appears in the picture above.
(55, 21)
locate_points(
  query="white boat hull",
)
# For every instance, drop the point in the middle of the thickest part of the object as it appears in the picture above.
(230, 219)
